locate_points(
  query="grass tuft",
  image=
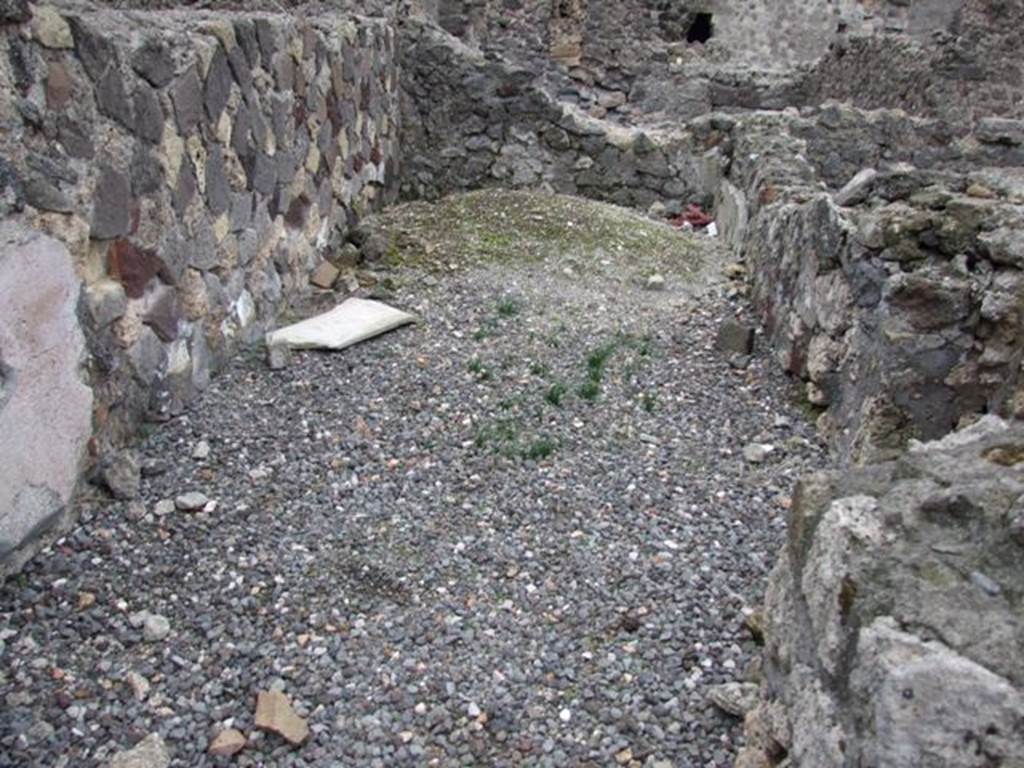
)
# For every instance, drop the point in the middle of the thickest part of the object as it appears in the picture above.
(539, 449)
(589, 390)
(508, 307)
(555, 394)
(478, 369)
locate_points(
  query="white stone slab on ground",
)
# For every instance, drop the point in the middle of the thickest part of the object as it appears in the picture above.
(352, 321)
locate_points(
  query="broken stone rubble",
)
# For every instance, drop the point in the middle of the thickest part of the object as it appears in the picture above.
(274, 713)
(151, 752)
(228, 743)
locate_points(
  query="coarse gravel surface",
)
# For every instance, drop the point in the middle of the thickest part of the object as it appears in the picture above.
(521, 532)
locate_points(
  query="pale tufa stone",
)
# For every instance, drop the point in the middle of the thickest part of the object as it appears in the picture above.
(178, 359)
(73, 231)
(196, 151)
(127, 328)
(172, 151)
(223, 133)
(324, 275)
(50, 29)
(848, 524)
(195, 303)
(235, 171)
(926, 701)
(221, 227)
(205, 49)
(222, 30)
(313, 159)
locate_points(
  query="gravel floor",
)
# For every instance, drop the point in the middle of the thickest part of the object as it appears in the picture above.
(522, 532)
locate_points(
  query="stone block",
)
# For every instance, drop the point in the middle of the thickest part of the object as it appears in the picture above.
(52, 166)
(133, 267)
(163, 313)
(147, 173)
(121, 475)
(106, 301)
(240, 68)
(152, 61)
(267, 37)
(45, 408)
(857, 189)
(245, 34)
(1004, 246)
(75, 139)
(324, 275)
(41, 194)
(111, 215)
(917, 715)
(217, 89)
(218, 191)
(241, 211)
(147, 356)
(187, 97)
(186, 188)
(96, 52)
(263, 174)
(22, 63)
(284, 72)
(151, 752)
(241, 133)
(1001, 130)
(112, 100)
(735, 337)
(59, 85)
(149, 115)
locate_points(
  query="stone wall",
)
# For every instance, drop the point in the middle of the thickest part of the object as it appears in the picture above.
(954, 60)
(893, 620)
(473, 120)
(892, 623)
(898, 297)
(195, 166)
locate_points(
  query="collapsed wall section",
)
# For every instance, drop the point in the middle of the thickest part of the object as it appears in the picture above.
(195, 166)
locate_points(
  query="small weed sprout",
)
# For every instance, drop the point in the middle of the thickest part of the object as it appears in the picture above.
(589, 390)
(478, 369)
(508, 307)
(539, 449)
(555, 394)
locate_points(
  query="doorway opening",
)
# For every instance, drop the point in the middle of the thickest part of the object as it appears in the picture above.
(701, 29)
